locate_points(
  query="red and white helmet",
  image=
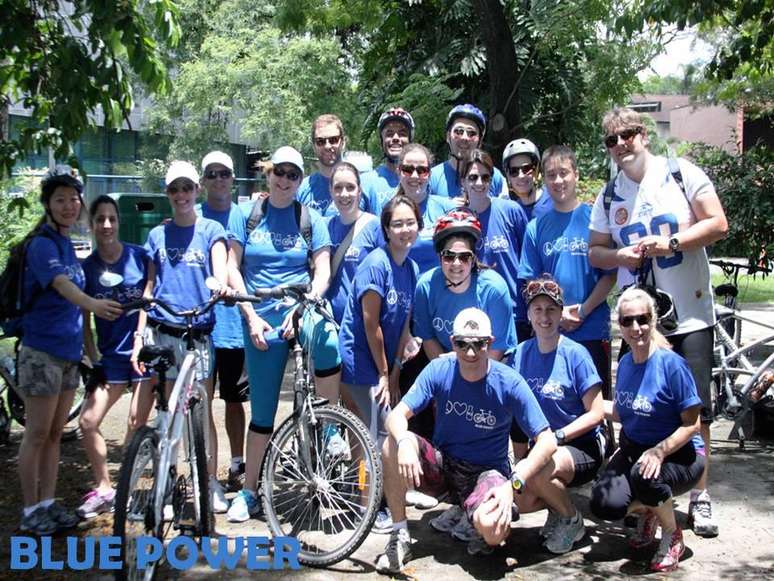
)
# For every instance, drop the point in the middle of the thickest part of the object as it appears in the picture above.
(458, 221)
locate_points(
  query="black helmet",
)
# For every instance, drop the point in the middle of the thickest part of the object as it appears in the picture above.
(61, 175)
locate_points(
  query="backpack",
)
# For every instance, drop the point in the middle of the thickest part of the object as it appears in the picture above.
(303, 219)
(674, 169)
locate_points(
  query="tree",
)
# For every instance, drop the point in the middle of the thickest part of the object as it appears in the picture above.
(70, 62)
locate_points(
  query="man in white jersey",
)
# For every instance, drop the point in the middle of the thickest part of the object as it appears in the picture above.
(650, 220)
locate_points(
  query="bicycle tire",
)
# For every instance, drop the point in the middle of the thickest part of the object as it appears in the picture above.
(197, 459)
(139, 466)
(339, 499)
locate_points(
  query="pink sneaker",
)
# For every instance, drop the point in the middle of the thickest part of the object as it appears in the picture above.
(669, 551)
(647, 525)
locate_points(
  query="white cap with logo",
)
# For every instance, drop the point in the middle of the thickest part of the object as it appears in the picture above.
(223, 159)
(472, 323)
(181, 169)
(287, 154)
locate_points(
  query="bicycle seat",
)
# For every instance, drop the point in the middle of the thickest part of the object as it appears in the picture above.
(726, 290)
(722, 312)
(157, 356)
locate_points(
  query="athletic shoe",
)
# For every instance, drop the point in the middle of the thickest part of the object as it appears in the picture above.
(39, 523)
(63, 518)
(700, 515)
(336, 446)
(550, 524)
(95, 503)
(420, 500)
(647, 525)
(448, 519)
(244, 506)
(396, 554)
(236, 478)
(478, 546)
(566, 533)
(217, 497)
(464, 530)
(383, 522)
(670, 549)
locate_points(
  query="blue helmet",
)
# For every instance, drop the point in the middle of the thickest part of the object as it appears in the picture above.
(467, 111)
(397, 114)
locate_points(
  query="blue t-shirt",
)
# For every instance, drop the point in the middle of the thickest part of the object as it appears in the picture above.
(368, 238)
(115, 339)
(473, 419)
(537, 209)
(181, 255)
(436, 306)
(381, 179)
(445, 181)
(227, 333)
(502, 235)
(276, 253)
(559, 380)
(315, 192)
(558, 243)
(51, 323)
(650, 396)
(423, 251)
(395, 284)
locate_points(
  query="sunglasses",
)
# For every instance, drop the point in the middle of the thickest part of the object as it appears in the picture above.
(222, 174)
(292, 174)
(543, 286)
(517, 170)
(449, 256)
(187, 188)
(628, 320)
(461, 131)
(473, 178)
(625, 135)
(465, 344)
(408, 170)
(323, 141)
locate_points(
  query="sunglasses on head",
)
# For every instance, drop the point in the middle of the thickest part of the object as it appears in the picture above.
(213, 173)
(625, 135)
(474, 178)
(449, 256)
(543, 286)
(517, 170)
(628, 320)
(291, 174)
(408, 170)
(323, 141)
(187, 188)
(465, 344)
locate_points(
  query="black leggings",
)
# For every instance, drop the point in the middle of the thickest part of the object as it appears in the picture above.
(620, 482)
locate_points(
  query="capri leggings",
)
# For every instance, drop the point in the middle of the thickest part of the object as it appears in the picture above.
(620, 482)
(266, 368)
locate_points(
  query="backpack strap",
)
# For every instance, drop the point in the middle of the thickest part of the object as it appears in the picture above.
(304, 221)
(259, 209)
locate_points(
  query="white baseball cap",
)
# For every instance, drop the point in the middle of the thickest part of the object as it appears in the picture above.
(220, 157)
(472, 322)
(287, 154)
(181, 169)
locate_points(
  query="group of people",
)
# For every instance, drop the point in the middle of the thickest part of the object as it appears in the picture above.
(473, 333)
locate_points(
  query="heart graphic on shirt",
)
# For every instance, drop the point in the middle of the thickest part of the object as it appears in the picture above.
(460, 408)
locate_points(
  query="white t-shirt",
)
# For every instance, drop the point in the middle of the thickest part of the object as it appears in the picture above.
(658, 206)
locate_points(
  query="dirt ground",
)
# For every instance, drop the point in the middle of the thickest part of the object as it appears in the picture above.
(741, 484)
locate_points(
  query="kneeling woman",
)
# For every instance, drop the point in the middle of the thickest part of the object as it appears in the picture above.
(661, 454)
(565, 382)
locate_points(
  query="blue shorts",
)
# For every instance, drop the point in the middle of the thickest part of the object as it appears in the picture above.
(119, 369)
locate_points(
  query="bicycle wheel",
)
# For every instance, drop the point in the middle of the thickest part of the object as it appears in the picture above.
(330, 501)
(197, 461)
(134, 516)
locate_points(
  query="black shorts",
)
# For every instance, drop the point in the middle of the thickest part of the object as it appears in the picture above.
(229, 364)
(587, 455)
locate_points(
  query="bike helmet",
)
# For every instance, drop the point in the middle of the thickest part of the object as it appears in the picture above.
(60, 175)
(397, 114)
(520, 146)
(458, 221)
(467, 111)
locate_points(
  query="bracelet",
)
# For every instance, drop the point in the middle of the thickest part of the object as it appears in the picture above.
(139, 335)
(581, 314)
(403, 438)
(398, 363)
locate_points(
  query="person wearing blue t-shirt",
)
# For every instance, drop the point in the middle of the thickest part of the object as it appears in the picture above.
(661, 453)
(465, 128)
(51, 344)
(218, 182)
(184, 252)
(562, 376)
(521, 163)
(557, 243)
(354, 234)
(278, 250)
(477, 399)
(396, 130)
(126, 266)
(503, 224)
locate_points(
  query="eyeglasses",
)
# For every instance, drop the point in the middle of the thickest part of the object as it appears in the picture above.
(517, 170)
(473, 178)
(292, 174)
(323, 141)
(626, 135)
(408, 170)
(628, 320)
(449, 256)
(465, 344)
(223, 174)
(187, 188)
(462, 131)
(543, 286)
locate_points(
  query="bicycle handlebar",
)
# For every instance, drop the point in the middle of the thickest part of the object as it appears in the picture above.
(730, 268)
(145, 303)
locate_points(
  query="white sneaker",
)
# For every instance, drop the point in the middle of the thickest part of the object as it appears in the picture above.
(420, 500)
(700, 515)
(217, 497)
(396, 554)
(244, 506)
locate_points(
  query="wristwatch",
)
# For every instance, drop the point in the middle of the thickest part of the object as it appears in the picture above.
(674, 244)
(560, 437)
(517, 483)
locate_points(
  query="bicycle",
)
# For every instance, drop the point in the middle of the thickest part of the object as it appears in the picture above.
(739, 385)
(148, 481)
(12, 401)
(325, 496)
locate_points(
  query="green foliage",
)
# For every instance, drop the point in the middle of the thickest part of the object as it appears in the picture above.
(19, 209)
(69, 62)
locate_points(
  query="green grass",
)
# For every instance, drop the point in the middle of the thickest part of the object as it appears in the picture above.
(751, 290)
